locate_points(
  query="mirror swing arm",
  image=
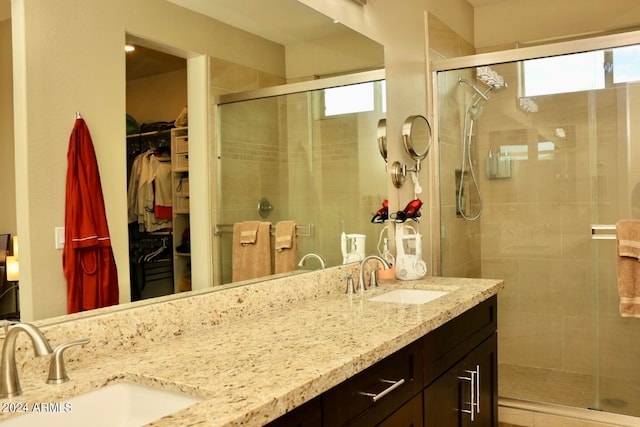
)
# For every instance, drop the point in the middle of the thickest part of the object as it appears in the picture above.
(416, 137)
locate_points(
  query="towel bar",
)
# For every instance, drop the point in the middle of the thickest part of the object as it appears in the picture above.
(596, 230)
(304, 230)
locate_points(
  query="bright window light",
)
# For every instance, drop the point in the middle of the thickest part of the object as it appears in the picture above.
(626, 64)
(564, 74)
(349, 99)
(546, 150)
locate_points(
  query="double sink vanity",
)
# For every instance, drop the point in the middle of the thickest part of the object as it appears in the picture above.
(294, 350)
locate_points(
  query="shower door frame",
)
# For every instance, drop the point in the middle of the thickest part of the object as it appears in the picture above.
(492, 58)
(500, 57)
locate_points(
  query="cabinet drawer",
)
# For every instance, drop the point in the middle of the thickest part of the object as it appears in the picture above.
(445, 346)
(368, 397)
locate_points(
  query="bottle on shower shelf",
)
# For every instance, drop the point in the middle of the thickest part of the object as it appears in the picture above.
(491, 165)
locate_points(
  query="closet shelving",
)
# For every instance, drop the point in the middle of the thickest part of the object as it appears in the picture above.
(180, 177)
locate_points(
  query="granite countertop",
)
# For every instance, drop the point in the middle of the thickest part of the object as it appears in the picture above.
(251, 370)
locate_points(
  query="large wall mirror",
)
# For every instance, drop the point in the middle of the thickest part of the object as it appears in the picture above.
(309, 47)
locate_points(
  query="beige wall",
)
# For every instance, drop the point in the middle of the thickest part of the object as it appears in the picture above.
(333, 55)
(513, 21)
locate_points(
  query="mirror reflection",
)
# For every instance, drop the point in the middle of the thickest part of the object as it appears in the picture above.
(249, 46)
(157, 88)
(310, 154)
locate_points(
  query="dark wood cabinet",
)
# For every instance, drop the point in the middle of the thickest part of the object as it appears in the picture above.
(466, 394)
(448, 378)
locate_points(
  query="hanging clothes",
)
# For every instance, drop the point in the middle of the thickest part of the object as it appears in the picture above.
(88, 262)
(149, 191)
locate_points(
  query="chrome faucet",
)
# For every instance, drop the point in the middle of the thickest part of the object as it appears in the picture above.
(373, 284)
(323, 263)
(9, 382)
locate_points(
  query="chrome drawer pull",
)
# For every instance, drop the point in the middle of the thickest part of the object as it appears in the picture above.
(394, 385)
(472, 389)
(477, 389)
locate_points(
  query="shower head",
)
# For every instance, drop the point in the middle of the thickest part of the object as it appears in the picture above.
(491, 78)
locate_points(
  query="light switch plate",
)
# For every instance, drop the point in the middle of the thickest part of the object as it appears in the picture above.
(59, 235)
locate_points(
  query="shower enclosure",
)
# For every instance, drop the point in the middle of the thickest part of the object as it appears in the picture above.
(305, 152)
(556, 155)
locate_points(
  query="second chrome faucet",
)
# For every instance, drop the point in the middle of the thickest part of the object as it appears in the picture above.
(373, 282)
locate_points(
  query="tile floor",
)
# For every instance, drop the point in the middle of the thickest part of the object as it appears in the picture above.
(567, 389)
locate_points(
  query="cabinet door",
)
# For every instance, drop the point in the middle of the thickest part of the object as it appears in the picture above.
(443, 400)
(484, 361)
(408, 415)
(469, 386)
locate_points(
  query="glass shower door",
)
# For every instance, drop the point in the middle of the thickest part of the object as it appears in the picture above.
(616, 195)
(574, 154)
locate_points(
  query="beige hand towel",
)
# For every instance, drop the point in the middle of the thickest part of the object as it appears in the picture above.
(248, 231)
(286, 246)
(251, 256)
(628, 266)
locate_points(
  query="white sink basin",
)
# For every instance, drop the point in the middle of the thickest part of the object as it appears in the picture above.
(120, 404)
(409, 296)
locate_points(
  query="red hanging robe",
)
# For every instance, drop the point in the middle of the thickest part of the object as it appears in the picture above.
(87, 260)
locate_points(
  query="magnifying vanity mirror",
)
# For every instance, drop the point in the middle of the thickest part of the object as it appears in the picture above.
(416, 138)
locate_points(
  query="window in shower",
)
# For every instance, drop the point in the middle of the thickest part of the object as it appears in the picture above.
(625, 64)
(564, 74)
(581, 71)
(358, 98)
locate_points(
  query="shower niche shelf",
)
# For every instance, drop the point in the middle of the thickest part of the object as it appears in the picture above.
(498, 165)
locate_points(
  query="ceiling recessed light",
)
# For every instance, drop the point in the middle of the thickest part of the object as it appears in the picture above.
(129, 48)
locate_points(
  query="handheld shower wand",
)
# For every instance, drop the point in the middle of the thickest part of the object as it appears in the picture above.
(472, 113)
